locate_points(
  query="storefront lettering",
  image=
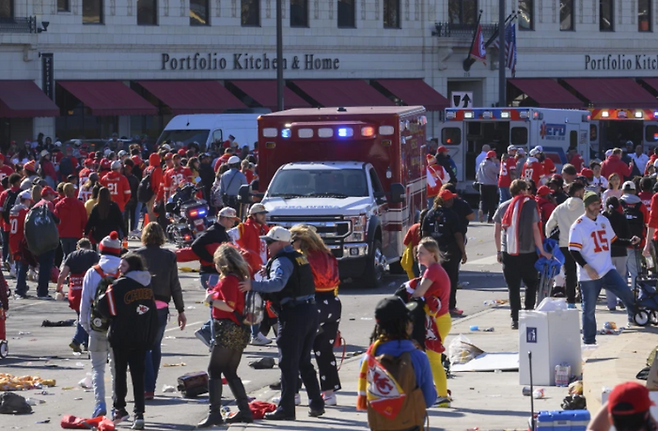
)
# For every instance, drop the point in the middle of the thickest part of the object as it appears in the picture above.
(245, 61)
(621, 62)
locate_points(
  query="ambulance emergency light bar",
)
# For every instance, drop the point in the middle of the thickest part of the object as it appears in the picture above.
(306, 131)
(625, 114)
(492, 114)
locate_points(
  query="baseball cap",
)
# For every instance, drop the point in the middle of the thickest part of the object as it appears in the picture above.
(629, 398)
(116, 165)
(491, 154)
(233, 160)
(511, 148)
(165, 147)
(628, 185)
(228, 212)
(44, 153)
(543, 191)
(25, 195)
(608, 153)
(105, 165)
(169, 156)
(182, 152)
(122, 153)
(257, 209)
(539, 149)
(447, 195)
(520, 151)
(442, 149)
(590, 198)
(534, 152)
(557, 180)
(47, 191)
(277, 233)
(587, 173)
(392, 309)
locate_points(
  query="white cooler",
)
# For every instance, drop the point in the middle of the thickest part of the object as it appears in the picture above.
(553, 337)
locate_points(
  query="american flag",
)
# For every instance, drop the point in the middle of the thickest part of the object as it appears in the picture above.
(510, 47)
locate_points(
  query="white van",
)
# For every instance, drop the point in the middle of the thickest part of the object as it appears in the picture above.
(208, 128)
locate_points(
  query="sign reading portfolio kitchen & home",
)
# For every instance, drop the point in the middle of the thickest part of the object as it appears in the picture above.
(621, 62)
(245, 61)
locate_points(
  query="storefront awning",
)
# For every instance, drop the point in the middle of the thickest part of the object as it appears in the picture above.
(347, 92)
(613, 92)
(106, 98)
(547, 93)
(651, 82)
(193, 97)
(264, 92)
(415, 92)
(24, 99)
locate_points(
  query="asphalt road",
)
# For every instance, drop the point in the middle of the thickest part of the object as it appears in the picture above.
(35, 350)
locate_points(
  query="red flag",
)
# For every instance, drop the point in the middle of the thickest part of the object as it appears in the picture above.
(478, 51)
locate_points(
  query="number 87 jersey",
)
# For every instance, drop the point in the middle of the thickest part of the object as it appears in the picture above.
(593, 239)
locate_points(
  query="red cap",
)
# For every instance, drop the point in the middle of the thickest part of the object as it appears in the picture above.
(447, 195)
(30, 166)
(587, 173)
(182, 152)
(137, 160)
(629, 398)
(543, 191)
(92, 155)
(105, 165)
(431, 159)
(89, 162)
(47, 191)
(169, 156)
(491, 154)
(442, 149)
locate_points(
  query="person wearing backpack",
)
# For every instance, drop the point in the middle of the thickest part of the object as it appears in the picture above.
(638, 218)
(7, 201)
(96, 279)
(17, 217)
(46, 257)
(129, 303)
(231, 336)
(395, 383)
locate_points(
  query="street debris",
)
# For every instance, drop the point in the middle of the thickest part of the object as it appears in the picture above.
(180, 364)
(167, 389)
(262, 364)
(10, 382)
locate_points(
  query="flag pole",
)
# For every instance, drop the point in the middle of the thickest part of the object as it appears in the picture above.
(501, 55)
(468, 61)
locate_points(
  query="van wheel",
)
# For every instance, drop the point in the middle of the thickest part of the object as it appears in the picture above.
(376, 266)
(4, 349)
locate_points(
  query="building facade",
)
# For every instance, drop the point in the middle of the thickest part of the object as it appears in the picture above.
(127, 66)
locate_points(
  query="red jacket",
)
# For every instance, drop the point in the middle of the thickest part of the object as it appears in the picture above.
(546, 208)
(156, 176)
(614, 164)
(250, 233)
(73, 218)
(325, 271)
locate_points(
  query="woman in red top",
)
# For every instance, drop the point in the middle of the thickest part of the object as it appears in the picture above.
(325, 275)
(435, 288)
(231, 337)
(412, 238)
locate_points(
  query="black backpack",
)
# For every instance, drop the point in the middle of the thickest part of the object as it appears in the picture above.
(98, 322)
(66, 167)
(635, 217)
(144, 190)
(9, 204)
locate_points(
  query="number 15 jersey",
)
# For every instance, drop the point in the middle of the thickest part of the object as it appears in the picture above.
(592, 238)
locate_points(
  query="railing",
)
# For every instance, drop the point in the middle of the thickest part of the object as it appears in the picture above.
(446, 29)
(18, 25)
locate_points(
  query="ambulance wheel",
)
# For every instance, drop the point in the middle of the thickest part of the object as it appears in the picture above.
(376, 266)
(653, 316)
(641, 317)
(4, 349)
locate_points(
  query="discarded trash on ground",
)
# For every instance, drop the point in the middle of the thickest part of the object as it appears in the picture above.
(57, 324)
(262, 364)
(168, 389)
(462, 351)
(13, 404)
(180, 364)
(10, 382)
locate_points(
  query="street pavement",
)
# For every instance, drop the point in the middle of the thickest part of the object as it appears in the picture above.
(486, 401)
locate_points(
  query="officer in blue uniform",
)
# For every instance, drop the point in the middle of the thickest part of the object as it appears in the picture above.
(291, 288)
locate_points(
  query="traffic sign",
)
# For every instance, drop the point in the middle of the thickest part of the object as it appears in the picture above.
(461, 99)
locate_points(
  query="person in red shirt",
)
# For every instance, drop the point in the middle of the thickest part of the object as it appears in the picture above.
(546, 163)
(16, 235)
(575, 159)
(533, 169)
(224, 158)
(155, 171)
(546, 204)
(507, 173)
(83, 176)
(245, 166)
(11, 195)
(646, 192)
(226, 300)
(5, 170)
(176, 177)
(250, 232)
(118, 185)
(652, 228)
(613, 164)
(436, 176)
(73, 216)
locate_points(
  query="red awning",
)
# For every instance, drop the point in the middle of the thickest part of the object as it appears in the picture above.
(345, 92)
(193, 97)
(24, 99)
(651, 82)
(613, 92)
(264, 92)
(415, 92)
(109, 98)
(547, 93)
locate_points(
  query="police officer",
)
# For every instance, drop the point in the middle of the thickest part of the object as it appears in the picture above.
(290, 283)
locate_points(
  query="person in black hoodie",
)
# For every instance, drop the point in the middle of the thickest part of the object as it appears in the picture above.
(130, 304)
(207, 174)
(619, 248)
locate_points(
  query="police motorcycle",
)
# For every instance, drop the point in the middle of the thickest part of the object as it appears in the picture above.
(188, 215)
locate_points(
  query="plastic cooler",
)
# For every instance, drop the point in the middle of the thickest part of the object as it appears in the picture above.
(570, 420)
(553, 337)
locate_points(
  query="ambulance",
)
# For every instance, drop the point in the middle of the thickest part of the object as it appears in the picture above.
(356, 174)
(614, 127)
(556, 130)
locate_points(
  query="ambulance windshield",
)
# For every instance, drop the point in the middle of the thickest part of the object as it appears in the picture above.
(319, 183)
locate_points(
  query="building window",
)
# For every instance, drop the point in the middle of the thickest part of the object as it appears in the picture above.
(391, 13)
(92, 11)
(298, 13)
(526, 15)
(147, 12)
(250, 13)
(644, 15)
(199, 12)
(346, 13)
(606, 15)
(463, 11)
(6, 9)
(63, 6)
(566, 15)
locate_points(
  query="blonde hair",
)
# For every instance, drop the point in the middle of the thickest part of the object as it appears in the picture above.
(432, 247)
(228, 260)
(36, 192)
(153, 235)
(310, 241)
(69, 190)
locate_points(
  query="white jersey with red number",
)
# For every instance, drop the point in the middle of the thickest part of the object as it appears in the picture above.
(5, 171)
(176, 177)
(533, 170)
(83, 177)
(593, 239)
(436, 177)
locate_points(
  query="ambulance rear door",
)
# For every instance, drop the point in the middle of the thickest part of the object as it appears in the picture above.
(453, 135)
(520, 134)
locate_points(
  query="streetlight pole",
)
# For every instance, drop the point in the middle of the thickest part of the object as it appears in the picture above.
(279, 56)
(501, 55)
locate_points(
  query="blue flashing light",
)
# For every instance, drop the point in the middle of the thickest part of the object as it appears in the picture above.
(342, 132)
(285, 133)
(202, 212)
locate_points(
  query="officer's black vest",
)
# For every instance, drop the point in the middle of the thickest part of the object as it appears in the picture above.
(300, 282)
